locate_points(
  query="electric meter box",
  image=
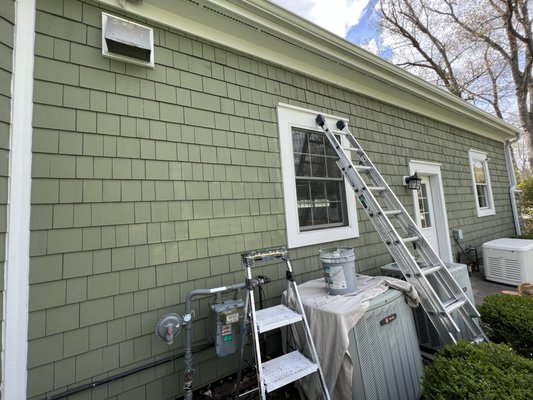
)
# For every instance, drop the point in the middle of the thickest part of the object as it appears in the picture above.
(224, 328)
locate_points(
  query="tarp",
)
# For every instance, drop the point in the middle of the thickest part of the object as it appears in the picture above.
(331, 318)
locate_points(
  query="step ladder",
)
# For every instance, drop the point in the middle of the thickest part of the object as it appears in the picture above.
(397, 230)
(292, 366)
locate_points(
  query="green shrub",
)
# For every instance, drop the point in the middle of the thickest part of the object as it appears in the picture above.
(526, 197)
(509, 319)
(525, 236)
(486, 371)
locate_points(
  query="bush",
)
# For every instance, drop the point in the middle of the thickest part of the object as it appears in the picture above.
(526, 235)
(526, 197)
(486, 371)
(509, 319)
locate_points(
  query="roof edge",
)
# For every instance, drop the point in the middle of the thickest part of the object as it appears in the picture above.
(281, 37)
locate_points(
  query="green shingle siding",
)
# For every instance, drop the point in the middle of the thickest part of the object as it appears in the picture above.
(148, 184)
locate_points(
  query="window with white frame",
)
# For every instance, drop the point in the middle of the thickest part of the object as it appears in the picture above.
(481, 182)
(318, 207)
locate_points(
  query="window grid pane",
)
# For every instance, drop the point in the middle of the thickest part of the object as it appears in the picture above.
(319, 183)
(482, 196)
(479, 171)
(423, 206)
(480, 177)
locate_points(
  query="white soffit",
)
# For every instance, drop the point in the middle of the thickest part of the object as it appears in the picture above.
(266, 31)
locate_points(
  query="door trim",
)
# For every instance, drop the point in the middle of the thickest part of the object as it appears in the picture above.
(433, 171)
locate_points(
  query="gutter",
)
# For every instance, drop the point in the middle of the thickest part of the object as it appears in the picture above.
(512, 180)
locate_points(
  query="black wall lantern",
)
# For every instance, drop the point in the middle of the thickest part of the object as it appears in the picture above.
(413, 182)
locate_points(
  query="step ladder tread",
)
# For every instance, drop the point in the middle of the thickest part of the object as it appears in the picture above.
(286, 369)
(275, 317)
(377, 188)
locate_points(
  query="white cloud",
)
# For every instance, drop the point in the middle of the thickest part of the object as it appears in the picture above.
(372, 46)
(336, 16)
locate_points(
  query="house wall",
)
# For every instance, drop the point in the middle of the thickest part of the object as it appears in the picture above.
(148, 184)
(7, 20)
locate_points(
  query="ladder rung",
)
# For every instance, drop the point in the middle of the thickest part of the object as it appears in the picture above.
(392, 212)
(430, 270)
(354, 149)
(275, 317)
(437, 309)
(453, 304)
(286, 369)
(377, 188)
(410, 239)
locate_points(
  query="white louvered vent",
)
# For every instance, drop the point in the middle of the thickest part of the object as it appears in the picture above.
(127, 41)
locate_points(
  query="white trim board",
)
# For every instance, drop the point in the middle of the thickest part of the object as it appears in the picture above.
(478, 155)
(289, 116)
(433, 171)
(16, 281)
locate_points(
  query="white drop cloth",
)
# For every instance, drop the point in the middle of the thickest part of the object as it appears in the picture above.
(330, 319)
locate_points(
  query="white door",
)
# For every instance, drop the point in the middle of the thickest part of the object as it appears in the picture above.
(430, 207)
(426, 213)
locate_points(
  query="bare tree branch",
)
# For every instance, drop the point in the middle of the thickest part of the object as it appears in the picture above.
(481, 51)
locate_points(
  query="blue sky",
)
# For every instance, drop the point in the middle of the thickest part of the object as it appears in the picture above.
(353, 20)
(365, 29)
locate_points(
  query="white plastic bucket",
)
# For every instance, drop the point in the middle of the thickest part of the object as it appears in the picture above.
(339, 269)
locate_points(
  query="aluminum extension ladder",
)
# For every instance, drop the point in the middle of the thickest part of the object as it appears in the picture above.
(289, 367)
(389, 217)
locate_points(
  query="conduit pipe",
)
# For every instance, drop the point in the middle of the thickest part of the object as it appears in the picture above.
(187, 319)
(512, 180)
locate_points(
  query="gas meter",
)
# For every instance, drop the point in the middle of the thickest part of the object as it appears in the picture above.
(224, 328)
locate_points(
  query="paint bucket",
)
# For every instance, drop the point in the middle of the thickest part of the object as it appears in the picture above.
(339, 269)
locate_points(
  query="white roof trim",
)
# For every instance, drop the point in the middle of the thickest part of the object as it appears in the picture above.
(269, 32)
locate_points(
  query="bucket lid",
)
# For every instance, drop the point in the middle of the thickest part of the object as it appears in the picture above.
(337, 252)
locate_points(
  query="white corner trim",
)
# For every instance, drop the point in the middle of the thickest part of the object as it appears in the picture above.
(15, 335)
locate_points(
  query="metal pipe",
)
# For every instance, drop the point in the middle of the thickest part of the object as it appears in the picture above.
(512, 181)
(121, 375)
(187, 318)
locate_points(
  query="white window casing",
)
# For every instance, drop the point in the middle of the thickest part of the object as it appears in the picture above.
(290, 117)
(482, 187)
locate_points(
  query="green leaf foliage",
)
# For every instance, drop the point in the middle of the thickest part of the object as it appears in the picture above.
(526, 197)
(509, 319)
(486, 371)
(525, 236)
